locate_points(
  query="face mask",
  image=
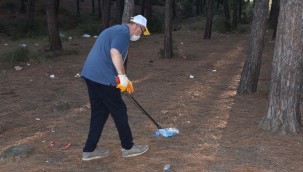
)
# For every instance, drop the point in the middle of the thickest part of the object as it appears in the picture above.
(135, 37)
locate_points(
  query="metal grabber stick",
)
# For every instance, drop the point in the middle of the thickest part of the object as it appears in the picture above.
(158, 126)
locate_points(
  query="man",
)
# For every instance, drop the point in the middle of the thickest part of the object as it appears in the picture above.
(103, 65)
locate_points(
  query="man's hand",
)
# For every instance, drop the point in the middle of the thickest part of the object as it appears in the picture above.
(124, 84)
(123, 80)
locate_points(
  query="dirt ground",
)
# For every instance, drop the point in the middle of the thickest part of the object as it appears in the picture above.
(218, 129)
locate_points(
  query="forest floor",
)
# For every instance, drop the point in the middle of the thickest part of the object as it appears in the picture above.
(218, 129)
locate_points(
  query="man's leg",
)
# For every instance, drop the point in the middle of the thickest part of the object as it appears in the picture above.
(118, 110)
(99, 115)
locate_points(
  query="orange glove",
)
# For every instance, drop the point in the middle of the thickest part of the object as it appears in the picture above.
(125, 85)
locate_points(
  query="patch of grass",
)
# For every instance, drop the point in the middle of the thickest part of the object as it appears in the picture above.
(21, 55)
(16, 56)
(161, 52)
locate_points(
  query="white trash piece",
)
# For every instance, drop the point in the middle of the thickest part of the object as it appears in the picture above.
(166, 167)
(191, 76)
(52, 76)
(77, 75)
(18, 67)
(86, 36)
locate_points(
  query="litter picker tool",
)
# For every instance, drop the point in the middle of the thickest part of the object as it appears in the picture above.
(164, 132)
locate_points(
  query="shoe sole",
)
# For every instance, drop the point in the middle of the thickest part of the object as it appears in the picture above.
(132, 155)
(93, 158)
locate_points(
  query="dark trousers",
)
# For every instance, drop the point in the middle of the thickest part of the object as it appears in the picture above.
(105, 100)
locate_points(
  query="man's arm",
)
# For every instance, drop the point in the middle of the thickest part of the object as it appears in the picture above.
(117, 61)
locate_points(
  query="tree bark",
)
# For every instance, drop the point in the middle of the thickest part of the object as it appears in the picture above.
(251, 70)
(105, 14)
(209, 20)
(275, 7)
(129, 7)
(52, 24)
(283, 111)
(226, 10)
(235, 14)
(168, 48)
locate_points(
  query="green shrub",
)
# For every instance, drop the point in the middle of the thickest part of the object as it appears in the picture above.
(16, 56)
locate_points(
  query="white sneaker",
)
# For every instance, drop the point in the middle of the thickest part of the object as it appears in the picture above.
(96, 154)
(135, 150)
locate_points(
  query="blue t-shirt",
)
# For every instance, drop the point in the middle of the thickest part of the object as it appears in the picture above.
(98, 66)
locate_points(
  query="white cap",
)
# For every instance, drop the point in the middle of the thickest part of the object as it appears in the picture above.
(139, 19)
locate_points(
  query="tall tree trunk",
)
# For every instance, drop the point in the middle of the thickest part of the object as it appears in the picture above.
(251, 70)
(209, 20)
(93, 7)
(105, 14)
(283, 112)
(235, 14)
(52, 24)
(168, 48)
(30, 14)
(275, 7)
(226, 10)
(119, 10)
(78, 7)
(129, 6)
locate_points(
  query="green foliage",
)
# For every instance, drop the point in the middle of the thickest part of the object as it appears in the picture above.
(161, 52)
(21, 55)
(247, 13)
(16, 56)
